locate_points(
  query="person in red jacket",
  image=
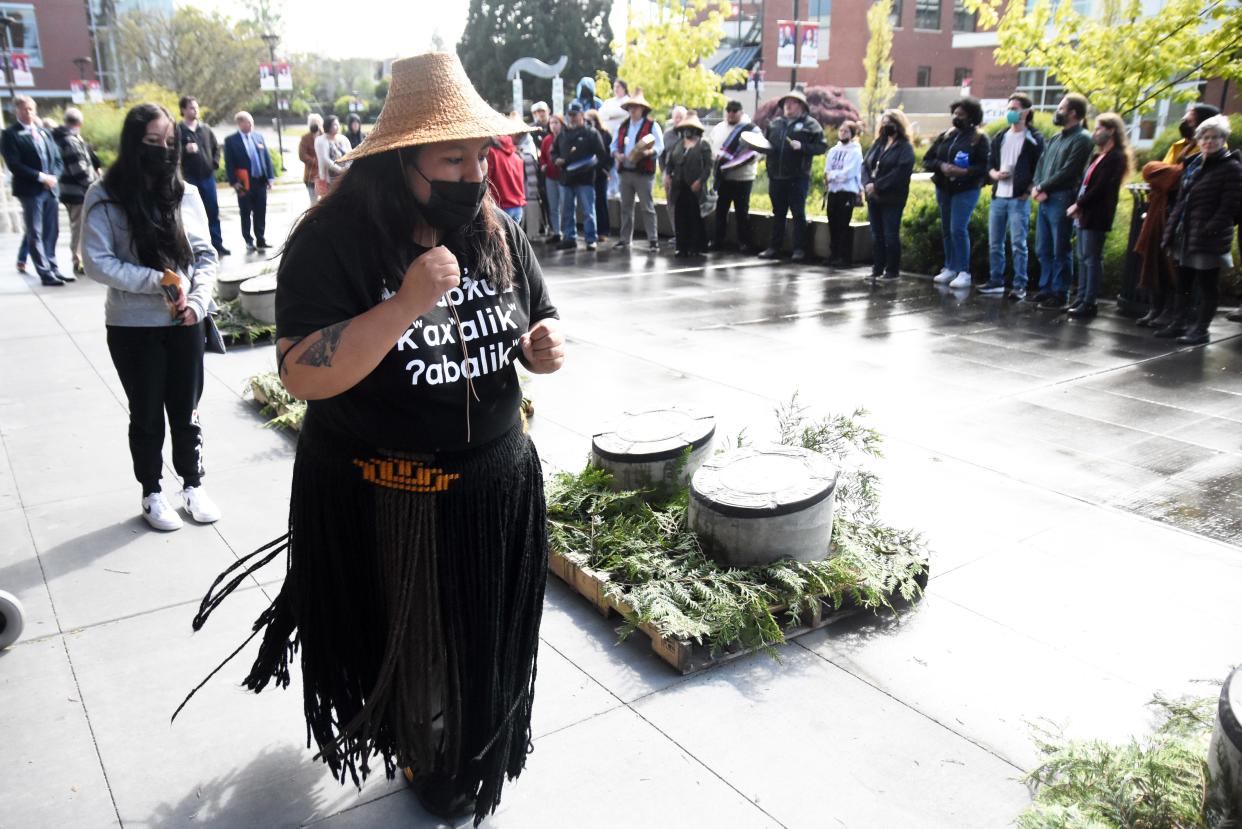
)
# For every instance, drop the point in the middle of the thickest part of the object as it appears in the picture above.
(506, 176)
(552, 175)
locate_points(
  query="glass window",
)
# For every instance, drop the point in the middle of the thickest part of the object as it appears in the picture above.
(820, 11)
(894, 19)
(25, 32)
(963, 20)
(927, 14)
(1043, 88)
(924, 76)
(960, 74)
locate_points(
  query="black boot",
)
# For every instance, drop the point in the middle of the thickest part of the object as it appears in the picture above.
(1195, 335)
(439, 796)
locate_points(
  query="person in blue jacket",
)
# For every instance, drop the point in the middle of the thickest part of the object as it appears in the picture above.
(250, 172)
(585, 94)
(32, 157)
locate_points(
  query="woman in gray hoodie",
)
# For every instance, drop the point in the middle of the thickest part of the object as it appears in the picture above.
(145, 236)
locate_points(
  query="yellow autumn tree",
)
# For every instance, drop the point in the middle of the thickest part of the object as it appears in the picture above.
(878, 88)
(665, 54)
(1122, 59)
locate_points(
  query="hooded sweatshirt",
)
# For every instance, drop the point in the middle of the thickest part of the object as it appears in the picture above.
(506, 173)
(586, 94)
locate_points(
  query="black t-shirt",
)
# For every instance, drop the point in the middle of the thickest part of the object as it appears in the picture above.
(415, 399)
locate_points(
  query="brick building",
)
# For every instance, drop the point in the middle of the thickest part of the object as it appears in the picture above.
(936, 52)
(52, 33)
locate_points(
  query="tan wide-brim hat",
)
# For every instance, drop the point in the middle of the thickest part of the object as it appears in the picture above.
(431, 99)
(636, 101)
(691, 122)
(797, 95)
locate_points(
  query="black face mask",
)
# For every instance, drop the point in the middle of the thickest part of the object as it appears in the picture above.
(452, 204)
(961, 124)
(157, 160)
(889, 130)
(1186, 130)
(1058, 118)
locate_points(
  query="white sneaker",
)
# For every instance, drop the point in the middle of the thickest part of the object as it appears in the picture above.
(944, 276)
(962, 280)
(199, 505)
(159, 513)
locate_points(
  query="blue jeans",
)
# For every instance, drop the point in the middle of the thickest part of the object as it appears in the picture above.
(788, 194)
(583, 194)
(955, 210)
(515, 213)
(42, 218)
(206, 187)
(1013, 215)
(885, 237)
(554, 206)
(1090, 262)
(1052, 243)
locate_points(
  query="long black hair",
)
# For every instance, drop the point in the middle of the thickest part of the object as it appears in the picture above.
(374, 196)
(151, 200)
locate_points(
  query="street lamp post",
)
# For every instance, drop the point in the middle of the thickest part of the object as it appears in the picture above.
(9, 218)
(8, 22)
(271, 40)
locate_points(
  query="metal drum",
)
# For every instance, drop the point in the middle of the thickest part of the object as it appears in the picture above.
(753, 506)
(645, 449)
(258, 297)
(1224, 796)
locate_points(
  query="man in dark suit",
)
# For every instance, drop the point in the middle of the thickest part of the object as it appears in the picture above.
(250, 171)
(31, 154)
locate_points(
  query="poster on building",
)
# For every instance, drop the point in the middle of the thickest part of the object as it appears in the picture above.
(786, 43)
(267, 80)
(284, 76)
(77, 92)
(94, 92)
(22, 76)
(809, 56)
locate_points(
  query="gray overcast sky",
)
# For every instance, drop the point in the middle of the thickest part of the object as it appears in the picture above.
(371, 28)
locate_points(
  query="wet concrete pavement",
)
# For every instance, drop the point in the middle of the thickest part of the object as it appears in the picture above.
(1078, 484)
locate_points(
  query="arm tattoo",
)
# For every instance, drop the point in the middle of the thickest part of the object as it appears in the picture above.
(321, 352)
(284, 355)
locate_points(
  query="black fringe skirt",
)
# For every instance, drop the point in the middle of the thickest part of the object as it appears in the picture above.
(414, 593)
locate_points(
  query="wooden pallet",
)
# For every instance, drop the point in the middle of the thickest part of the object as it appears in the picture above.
(684, 655)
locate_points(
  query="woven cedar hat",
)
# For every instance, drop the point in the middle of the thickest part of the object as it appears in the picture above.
(691, 122)
(430, 99)
(636, 100)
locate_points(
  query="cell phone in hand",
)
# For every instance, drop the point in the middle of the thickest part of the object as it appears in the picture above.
(171, 285)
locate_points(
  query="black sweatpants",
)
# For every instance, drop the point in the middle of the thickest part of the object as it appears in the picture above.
(840, 211)
(162, 371)
(736, 193)
(691, 237)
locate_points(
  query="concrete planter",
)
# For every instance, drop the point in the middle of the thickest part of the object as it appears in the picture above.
(228, 284)
(646, 449)
(258, 297)
(753, 506)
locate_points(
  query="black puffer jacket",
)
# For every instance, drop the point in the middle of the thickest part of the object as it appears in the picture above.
(1208, 206)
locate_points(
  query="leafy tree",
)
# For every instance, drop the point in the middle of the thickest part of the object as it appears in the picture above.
(320, 81)
(878, 88)
(666, 56)
(1121, 59)
(498, 32)
(828, 104)
(266, 16)
(192, 52)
